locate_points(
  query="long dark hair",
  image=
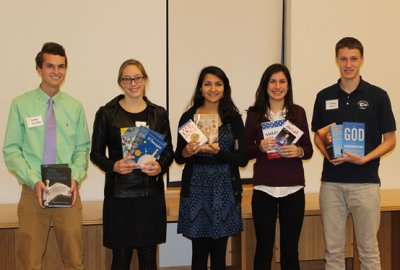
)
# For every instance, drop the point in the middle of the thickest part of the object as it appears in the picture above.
(261, 104)
(226, 107)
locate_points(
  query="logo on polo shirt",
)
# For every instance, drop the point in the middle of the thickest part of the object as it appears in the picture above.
(362, 104)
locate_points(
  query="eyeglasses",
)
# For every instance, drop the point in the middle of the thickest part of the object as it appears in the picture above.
(128, 80)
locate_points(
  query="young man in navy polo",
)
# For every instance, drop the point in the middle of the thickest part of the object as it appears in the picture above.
(350, 183)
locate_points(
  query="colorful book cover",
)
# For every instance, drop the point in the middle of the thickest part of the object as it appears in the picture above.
(325, 136)
(128, 135)
(208, 124)
(337, 140)
(270, 129)
(149, 146)
(191, 132)
(354, 137)
(57, 178)
(289, 134)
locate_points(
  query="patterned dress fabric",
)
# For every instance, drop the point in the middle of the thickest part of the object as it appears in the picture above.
(211, 210)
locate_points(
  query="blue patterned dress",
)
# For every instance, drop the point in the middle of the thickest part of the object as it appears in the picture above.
(210, 210)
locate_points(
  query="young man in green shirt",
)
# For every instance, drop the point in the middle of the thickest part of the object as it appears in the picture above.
(23, 152)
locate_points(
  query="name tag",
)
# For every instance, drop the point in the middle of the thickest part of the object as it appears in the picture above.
(141, 123)
(332, 104)
(34, 121)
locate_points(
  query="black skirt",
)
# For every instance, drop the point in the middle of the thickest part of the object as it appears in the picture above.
(134, 222)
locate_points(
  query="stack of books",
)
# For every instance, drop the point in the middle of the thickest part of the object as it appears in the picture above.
(204, 129)
(349, 136)
(142, 143)
(284, 132)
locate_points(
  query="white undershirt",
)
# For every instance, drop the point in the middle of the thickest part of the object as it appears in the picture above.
(278, 192)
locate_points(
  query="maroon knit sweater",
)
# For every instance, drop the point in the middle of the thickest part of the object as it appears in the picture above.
(278, 172)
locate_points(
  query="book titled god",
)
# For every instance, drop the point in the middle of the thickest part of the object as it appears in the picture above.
(354, 137)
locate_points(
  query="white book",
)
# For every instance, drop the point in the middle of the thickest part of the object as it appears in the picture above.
(289, 134)
(191, 132)
(208, 124)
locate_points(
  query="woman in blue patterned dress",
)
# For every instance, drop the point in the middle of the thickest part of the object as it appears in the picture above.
(210, 203)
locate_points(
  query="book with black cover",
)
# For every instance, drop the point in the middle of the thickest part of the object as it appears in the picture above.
(57, 178)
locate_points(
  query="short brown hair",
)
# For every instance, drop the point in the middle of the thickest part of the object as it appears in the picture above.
(350, 43)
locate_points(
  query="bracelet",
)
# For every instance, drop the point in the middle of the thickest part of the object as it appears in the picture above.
(301, 152)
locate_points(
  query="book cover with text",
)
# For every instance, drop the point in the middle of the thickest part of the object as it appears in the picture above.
(270, 129)
(57, 178)
(128, 135)
(337, 140)
(354, 137)
(150, 148)
(325, 136)
(289, 134)
(191, 133)
(208, 124)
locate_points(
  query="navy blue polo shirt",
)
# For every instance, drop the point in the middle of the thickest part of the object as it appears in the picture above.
(368, 104)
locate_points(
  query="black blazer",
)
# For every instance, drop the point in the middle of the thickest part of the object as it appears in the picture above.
(106, 136)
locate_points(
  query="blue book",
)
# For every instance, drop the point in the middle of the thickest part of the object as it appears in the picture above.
(128, 136)
(150, 145)
(337, 140)
(354, 137)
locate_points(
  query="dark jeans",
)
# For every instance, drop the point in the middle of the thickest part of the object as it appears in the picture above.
(265, 212)
(204, 246)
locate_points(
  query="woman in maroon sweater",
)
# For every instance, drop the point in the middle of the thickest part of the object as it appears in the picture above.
(278, 182)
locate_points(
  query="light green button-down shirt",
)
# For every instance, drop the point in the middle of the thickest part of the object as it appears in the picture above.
(24, 139)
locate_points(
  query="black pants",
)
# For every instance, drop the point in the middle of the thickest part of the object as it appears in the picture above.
(216, 248)
(291, 214)
(122, 258)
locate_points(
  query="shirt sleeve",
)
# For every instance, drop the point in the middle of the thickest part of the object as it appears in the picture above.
(80, 156)
(12, 149)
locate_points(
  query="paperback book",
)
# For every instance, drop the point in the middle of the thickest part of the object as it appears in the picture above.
(354, 137)
(149, 146)
(57, 178)
(270, 129)
(289, 134)
(192, 133)
(337, 140)
(142, 143)
(208, 124)
(128, 136)
(325, 136)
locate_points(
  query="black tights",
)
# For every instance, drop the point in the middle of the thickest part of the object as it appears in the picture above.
(202, 247)
(122, 258)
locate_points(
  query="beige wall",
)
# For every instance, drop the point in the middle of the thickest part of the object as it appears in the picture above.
(314, 27)
(240, 37)
(98, 36)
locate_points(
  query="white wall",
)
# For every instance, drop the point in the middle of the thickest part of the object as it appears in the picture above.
(241, 37)
(98, 36)
(314, 27)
